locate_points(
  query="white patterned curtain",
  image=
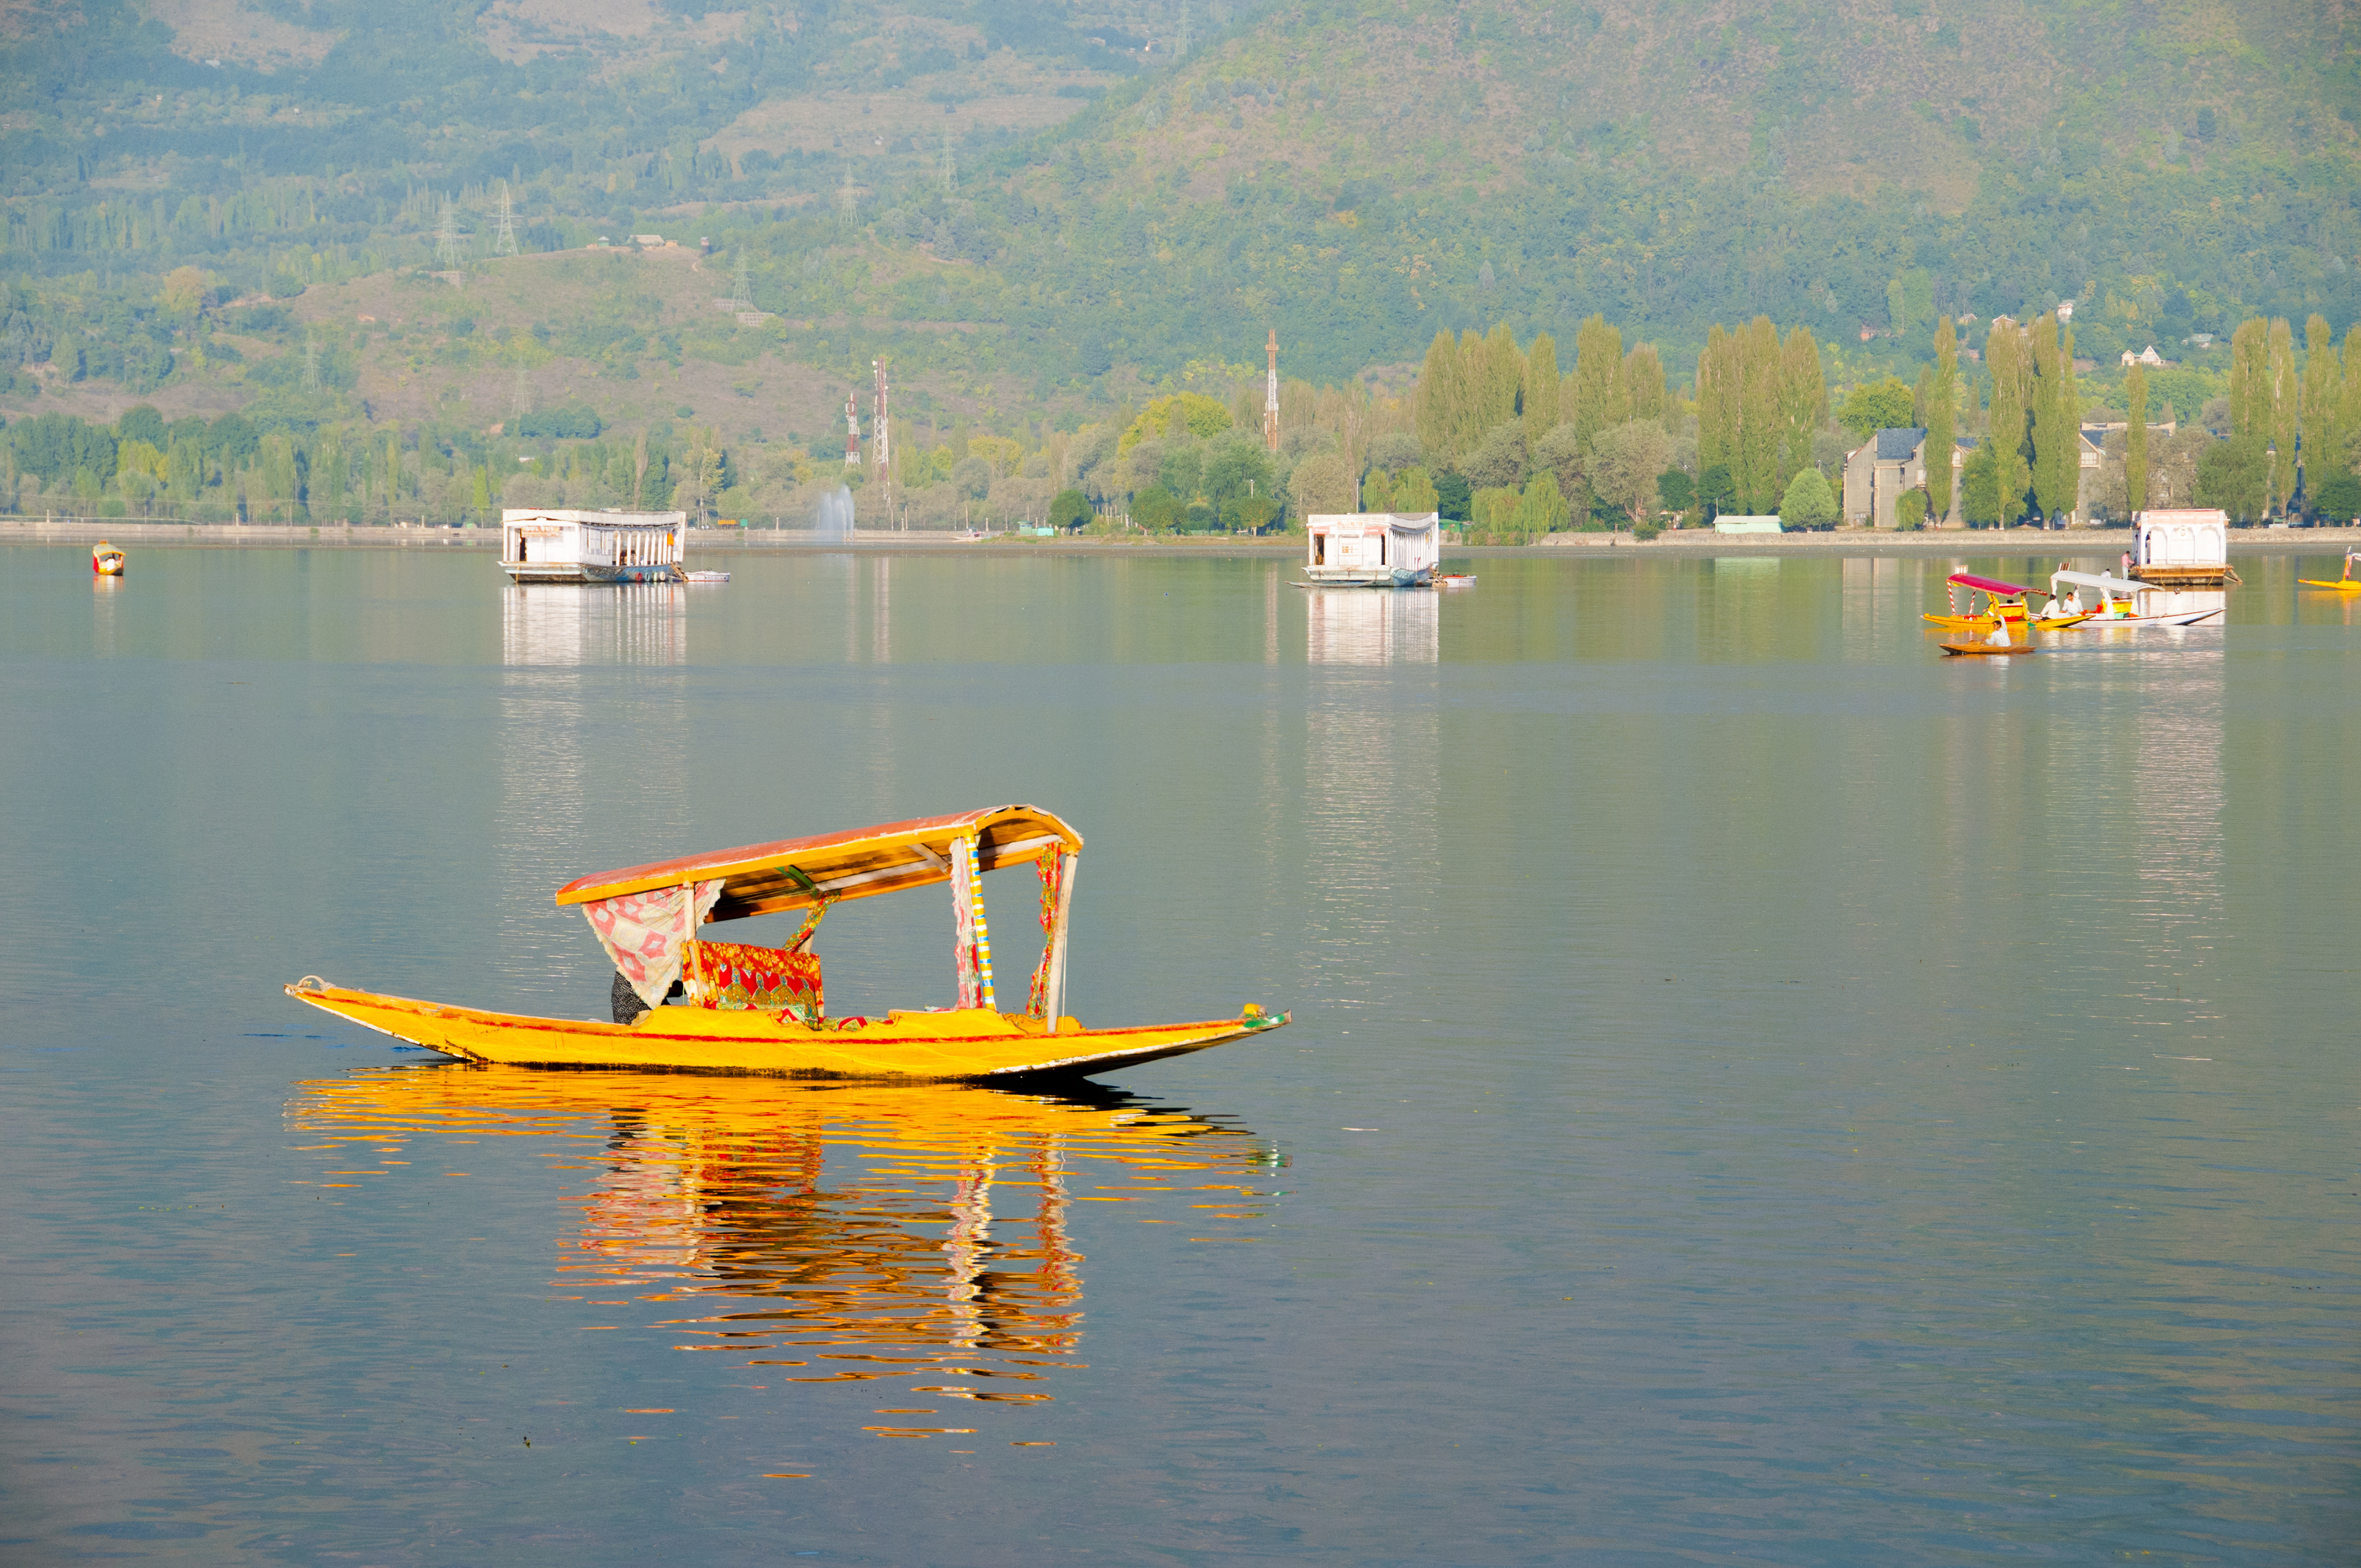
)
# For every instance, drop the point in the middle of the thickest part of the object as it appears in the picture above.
(644, 933)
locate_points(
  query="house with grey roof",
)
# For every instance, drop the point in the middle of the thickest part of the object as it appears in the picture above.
(1885, 466)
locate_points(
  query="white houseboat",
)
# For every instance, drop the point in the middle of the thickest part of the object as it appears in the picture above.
(539, 546)
(1373, 550)
(2188, 548)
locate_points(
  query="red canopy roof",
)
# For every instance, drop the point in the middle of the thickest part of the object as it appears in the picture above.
(1989, 585)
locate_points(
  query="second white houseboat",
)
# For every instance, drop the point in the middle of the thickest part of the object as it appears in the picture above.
(540, 546)
(1373, 550)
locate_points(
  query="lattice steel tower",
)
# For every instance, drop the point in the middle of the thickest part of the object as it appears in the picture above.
(504, 243)
(450, 244)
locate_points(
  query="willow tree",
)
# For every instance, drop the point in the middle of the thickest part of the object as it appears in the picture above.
(1942, 416)
(2136, 439)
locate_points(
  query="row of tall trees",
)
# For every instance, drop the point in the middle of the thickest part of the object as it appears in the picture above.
(1473, 384)
(1761, 399)
(228, 469)
(2031, 457)
(2282, 422)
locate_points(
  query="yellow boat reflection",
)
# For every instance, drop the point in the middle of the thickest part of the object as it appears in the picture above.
(815, 1232)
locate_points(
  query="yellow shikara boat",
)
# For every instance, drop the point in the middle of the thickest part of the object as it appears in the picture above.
(2004, 606)
(2348, 584)
(763, 1010)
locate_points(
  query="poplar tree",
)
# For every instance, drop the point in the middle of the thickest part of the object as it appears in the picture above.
(1471, 392)
(2006, 356)
(1598, 379)
(2281, 390)
(1717, 389)
(2249, 351)
(2323, 393)
(1541, 386)
(1942, 412)
(2347, 428)
(2136, 439)
(2053, 432)
(2069, 472)
(1803, 401)
(1503, 370)
(1435, 401)
(1757, 468)
(1644, 384)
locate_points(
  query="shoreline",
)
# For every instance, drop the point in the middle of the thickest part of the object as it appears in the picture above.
(703, 541)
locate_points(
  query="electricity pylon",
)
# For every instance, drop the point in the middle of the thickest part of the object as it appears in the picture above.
(450, 244)
(505, 242)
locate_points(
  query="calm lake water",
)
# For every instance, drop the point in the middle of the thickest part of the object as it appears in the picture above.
(1759, 1091)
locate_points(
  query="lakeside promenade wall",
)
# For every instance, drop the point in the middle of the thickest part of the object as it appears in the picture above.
(2087, 542)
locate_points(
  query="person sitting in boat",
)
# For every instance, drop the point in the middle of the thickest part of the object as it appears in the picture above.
(1999, 638)
(625, 1003)
(2071, 604)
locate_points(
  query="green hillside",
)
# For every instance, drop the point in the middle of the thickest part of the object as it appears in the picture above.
(1038, 212)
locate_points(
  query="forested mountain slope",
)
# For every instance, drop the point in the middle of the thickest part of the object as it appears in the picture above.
(1046, 190)
(1360, 174)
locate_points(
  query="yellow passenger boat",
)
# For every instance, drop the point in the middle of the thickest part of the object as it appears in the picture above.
(763, 1010)
(2346, 583)
(2004, 605)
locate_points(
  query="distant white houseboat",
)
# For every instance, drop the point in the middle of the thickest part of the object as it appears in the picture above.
(539, 546)
(1373, 550)
(2188, 548)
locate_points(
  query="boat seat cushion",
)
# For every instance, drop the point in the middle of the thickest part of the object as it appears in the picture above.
(731, 974)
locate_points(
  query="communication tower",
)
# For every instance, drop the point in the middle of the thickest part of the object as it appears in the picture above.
(1270, 396)
(744, 292)
(847, 199)
(950, 169)
(851, 432)
(880, 440)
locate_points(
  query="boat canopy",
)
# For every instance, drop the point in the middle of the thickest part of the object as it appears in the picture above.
(2118, 587)
(1988, 585)
(797, 874)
